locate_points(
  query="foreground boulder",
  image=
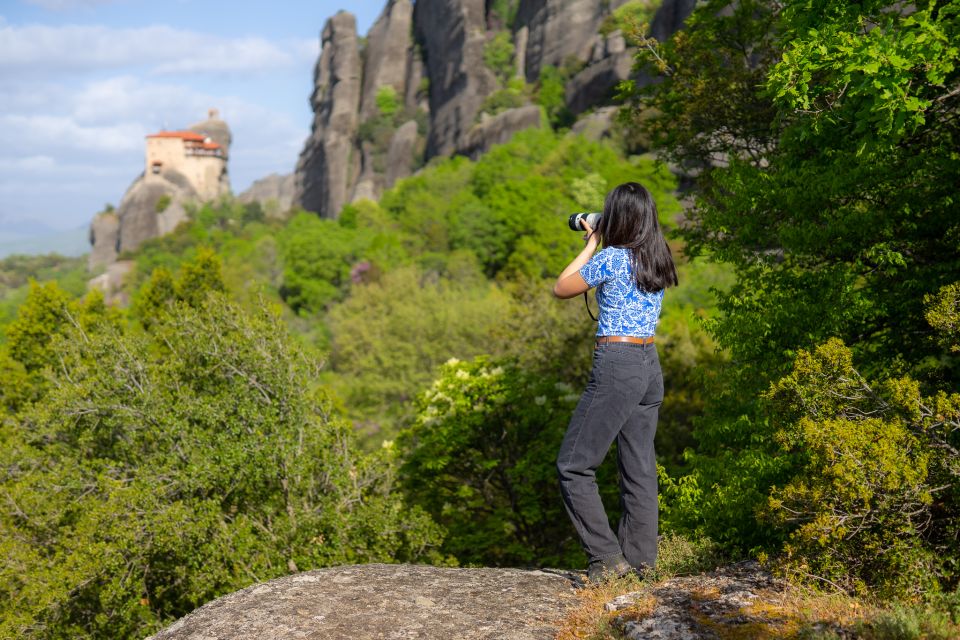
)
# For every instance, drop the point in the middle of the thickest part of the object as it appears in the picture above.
(386, 601)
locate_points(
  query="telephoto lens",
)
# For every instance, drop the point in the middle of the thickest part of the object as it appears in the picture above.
(576, 221)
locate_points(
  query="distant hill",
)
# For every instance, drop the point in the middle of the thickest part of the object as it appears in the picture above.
(74, 242)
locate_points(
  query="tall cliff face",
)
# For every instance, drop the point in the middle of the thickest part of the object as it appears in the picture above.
(387, 55)
(453, 33)
(328, 164)
(432, 55)
(559, 30)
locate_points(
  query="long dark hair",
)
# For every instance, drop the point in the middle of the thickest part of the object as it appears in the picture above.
(630, 220)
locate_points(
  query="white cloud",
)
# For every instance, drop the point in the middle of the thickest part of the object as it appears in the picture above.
(26, 132)
(161, 49)
(32, 164)
(66, 5)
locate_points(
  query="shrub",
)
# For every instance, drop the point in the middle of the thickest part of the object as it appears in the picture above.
(871, 499)
(498, 55)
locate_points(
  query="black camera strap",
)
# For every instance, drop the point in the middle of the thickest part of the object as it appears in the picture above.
(586, 303)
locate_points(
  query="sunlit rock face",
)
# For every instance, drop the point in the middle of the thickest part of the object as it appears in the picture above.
(387, 601)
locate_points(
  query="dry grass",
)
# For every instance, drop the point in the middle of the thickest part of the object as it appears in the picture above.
(808, 608)
(589, 620)
(774, 615)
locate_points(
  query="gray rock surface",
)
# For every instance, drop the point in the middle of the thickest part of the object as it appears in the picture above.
(498, 129)
(559, 29)
(596, 83)
(111, 282)
(370, 601)
(274, 191)
(415, 97)
(388, 43)
(669, 18)
(104, 233)
(713, 605)
(328, 167)
(138, 217)
(452, 33)
(595, 125)
(370, 184)
(401, 153)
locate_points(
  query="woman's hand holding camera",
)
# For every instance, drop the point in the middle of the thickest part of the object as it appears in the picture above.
(591, 235)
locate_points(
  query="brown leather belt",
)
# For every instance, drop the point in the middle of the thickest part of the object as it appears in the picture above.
(605, 339)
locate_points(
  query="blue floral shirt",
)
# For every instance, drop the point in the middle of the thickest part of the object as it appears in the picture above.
(625, 310)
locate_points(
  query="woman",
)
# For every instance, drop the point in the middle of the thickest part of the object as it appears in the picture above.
(625, 387)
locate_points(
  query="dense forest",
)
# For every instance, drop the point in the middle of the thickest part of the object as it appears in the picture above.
(392, 385)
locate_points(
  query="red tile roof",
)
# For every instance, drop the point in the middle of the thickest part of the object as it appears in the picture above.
(185, 135)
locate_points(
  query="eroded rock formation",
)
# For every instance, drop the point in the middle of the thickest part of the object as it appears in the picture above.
(386, 601)
(453, 35)
(274, 192)
(560, 30)
(328, 164)
(387, 55)
(432, 55)
(498, 129)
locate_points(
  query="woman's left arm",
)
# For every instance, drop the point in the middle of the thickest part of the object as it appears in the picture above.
(570, 283)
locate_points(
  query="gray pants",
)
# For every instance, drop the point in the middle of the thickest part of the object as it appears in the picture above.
(621, 402)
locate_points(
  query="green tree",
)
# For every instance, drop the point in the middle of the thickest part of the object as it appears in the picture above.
(165, 468)
(386, 100)
(481, 460)
(498, 55)
(389, 336)
(824, 177)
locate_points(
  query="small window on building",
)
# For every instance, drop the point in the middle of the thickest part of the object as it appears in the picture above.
(156, 166)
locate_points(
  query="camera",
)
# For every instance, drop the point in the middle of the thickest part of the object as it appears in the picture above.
(576, 221)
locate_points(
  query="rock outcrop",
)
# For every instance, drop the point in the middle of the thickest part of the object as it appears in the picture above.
(453, 35)
(738, 601)
(152, 208)
(595, 125)
(559, 30)
(361, 602)
(432, 53)
(498, 129)
(400, 156)
(611, 62)
(669, 18)
(274, 192)
(111, 282)
(104, 233)
(328, 165)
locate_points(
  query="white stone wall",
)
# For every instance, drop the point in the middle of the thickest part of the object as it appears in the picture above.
(203, 172)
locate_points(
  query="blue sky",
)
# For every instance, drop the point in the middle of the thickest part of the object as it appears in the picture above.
(83, 81)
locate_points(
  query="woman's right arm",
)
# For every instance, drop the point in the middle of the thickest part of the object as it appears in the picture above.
(570, 283)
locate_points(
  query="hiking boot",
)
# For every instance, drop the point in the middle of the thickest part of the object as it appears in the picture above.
(608, 568)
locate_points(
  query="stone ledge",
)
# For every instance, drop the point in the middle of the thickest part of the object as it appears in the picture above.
(387, 601)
